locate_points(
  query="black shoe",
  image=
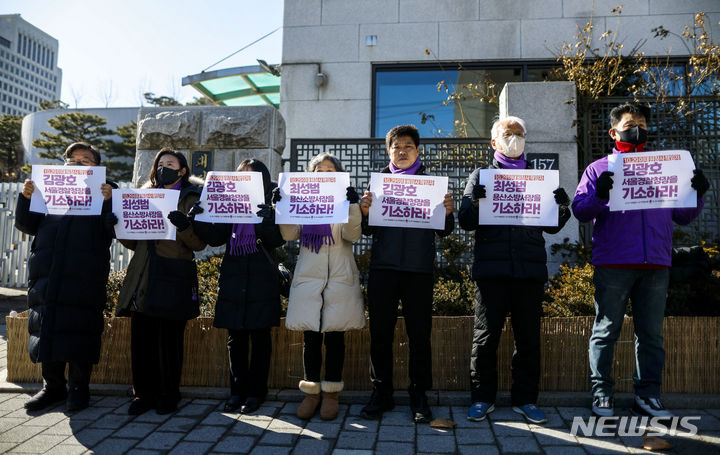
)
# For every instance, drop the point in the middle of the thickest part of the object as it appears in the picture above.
(252, 404)
(45, 398)
(419, 407)
(140, 406)
(233, 404)
(166, 405)
(78, 398)
(380, 401)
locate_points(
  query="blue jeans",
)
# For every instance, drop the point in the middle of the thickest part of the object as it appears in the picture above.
(648, 291)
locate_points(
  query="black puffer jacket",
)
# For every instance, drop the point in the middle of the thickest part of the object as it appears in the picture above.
(506, 251)
(404, 249)
(69, 264)
(248, 294)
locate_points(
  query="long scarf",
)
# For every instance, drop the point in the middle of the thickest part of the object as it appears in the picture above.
(511, 163)
(243, 240)
(314, 236)
(411, 170)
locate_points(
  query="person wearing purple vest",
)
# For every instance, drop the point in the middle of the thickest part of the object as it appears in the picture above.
(632, 253)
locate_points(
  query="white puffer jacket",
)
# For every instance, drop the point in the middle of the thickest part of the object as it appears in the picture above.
(325, 294)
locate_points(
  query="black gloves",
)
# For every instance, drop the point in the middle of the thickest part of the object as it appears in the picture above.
(352, 195)
(179, 219)
(603, 185)
(195, 210)
(275, 195)
(699, 182)
(266, 210)
(561, 197)
(478, 193)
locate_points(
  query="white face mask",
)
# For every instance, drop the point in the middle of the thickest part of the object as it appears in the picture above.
(512, 147)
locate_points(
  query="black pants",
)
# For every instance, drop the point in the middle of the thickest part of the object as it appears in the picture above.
(334, 355)
(249, 381)
(78, 375)
(156, 345)
(386, 288)
(493, 300)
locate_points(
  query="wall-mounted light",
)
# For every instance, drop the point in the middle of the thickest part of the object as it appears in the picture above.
(320, 79)
(371, 40)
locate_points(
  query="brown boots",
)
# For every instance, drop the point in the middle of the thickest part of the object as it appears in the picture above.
(330, 399)
(312, 399)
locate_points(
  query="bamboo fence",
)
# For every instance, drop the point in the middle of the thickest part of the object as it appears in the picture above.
(692, 347)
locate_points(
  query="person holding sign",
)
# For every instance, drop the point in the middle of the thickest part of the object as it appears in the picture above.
(248, 302)
(510, 272)
(325, 298)
(160, 293)
(401, 269)
(632, 254)
(69, 265)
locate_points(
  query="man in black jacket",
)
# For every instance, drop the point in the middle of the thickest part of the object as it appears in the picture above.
(69, 264)
(510, 272)
(401, 269)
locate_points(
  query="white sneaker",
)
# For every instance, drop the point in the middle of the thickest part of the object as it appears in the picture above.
(651, 407)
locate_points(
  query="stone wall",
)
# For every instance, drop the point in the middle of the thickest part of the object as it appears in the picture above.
(230, 134)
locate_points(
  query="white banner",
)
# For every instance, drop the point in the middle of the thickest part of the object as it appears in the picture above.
(519, 197)
(651, 180)
(231, 197)
(67, 190)
(413, 201)
(142, 213)
(313, 198)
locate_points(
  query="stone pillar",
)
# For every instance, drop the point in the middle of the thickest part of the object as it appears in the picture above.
(549, 110)
(228, 135)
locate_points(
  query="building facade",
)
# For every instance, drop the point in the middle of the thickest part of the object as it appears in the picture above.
(29, 73)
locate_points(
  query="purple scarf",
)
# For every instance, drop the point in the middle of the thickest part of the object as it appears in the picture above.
(510, 163)
(314, 236)
(243, 240)
(411, 170)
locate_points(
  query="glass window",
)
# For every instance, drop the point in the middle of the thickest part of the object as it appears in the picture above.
(420, 97)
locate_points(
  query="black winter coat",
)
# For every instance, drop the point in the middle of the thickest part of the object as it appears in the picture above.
(404, 249)
(248, 294)
(506, 251)
(69, 265)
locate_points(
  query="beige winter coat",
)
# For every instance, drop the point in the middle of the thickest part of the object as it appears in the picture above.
(325, 294)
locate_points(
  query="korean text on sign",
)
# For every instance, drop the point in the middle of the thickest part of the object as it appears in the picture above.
(142, 213)
(518, 197)
(231, 197)
(67, 190)
(414, 201)
(648, 180)
(313, 198)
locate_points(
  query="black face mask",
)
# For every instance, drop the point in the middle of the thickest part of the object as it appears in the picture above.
(167, 176)
(634, 135)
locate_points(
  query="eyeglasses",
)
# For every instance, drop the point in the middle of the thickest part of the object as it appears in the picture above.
(83, 161)
(509, 134)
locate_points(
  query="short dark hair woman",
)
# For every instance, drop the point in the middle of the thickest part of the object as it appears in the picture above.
(160, 293)
(248, 303)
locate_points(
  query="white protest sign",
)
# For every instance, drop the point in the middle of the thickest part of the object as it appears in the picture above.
(67, 190)
(142, 213)
(313, 198)
(413, 201)
(519, 197)
(231, 197)
(651, 180)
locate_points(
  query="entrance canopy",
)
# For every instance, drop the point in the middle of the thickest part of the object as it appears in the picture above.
(240, 86)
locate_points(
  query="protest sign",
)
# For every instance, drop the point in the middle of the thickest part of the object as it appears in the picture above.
(231, 197)
(67, 190)
(651, 180)
(519, 197)
(414, 201)
(142, 213)
(313, 198)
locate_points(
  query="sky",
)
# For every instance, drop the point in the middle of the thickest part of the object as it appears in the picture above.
(111, 52)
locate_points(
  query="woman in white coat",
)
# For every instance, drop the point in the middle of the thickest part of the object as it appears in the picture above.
(325, 298)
